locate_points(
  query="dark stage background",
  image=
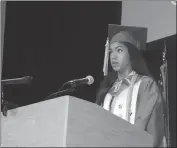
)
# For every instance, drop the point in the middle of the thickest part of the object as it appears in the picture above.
(55, 42)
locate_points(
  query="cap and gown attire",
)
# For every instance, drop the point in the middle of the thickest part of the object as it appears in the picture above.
(136, 98)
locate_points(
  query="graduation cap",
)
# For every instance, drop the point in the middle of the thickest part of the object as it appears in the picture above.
(134, 35)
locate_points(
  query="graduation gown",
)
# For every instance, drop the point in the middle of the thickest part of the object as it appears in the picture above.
(149, 105)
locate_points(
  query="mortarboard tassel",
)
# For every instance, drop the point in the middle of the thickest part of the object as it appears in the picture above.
(106, 56)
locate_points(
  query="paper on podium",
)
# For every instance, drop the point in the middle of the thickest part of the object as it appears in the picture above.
(69, 122)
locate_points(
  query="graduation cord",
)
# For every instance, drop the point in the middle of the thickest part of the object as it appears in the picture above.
(129, 97)
(110, 105)
(116, 89)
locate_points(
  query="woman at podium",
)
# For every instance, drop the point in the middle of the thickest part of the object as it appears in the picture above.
(129, 91)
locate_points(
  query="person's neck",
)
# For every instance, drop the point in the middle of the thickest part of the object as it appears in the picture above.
(125, 73)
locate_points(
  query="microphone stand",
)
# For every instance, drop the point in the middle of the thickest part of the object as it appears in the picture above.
(4, 103)
(59, 93)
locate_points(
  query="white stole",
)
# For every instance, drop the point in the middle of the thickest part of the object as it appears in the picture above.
(120, 102)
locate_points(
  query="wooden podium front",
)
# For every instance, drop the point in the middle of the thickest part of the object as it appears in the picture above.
(69, 122)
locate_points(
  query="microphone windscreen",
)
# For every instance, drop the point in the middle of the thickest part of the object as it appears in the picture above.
(90, 80)
(28, 79)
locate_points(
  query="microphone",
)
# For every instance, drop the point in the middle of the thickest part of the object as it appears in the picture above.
(87, 80)
(23, 80)
(73, 83)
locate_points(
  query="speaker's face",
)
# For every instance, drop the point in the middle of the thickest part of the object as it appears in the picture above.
(119, 56)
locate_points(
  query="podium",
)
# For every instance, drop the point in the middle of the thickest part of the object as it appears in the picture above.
(69, 122)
